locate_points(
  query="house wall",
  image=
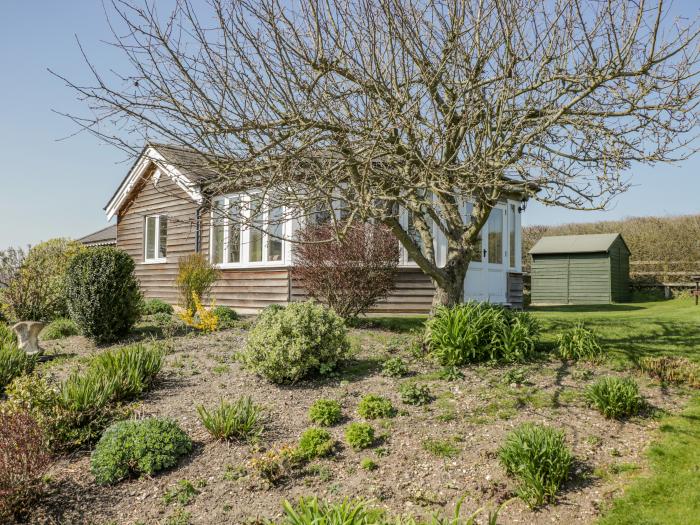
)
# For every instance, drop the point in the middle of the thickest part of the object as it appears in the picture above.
(571, 279)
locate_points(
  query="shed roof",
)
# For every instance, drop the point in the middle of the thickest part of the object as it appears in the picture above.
(594, 243)
(105, 236)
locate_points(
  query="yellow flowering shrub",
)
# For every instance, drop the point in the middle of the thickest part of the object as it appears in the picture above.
(199, 317)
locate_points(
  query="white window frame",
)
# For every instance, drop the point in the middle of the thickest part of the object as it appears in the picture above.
(513, 207)
(156, 244)
(244, 202)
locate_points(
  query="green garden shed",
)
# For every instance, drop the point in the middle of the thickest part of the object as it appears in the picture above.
(580, 269)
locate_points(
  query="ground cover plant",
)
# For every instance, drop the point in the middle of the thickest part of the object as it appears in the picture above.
(372, 406)
(325, 412)
(7, 336)
(59, 329)
(156, 306)
(579, 343)
(13, 363)
(671, 369)
(315, 443)
(415, 394)
(395, 367)
(241, 420)
(615, 397)
(359, 435)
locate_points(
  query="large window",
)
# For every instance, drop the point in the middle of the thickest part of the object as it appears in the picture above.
(155, 238)
(245, 231)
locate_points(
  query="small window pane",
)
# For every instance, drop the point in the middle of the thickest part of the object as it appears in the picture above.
(275, 230)
(234, 234)
(495, 239)
(255, 243)
(162, 236)
(217, 235)
(150, 237)
(469, 207)
(511, 235)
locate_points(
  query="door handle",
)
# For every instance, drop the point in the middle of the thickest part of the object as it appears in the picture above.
(484, 252)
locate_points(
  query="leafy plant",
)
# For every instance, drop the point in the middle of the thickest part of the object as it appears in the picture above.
(241, 420)
(369, 464)
(515, 376)
(415, 394)
(325, 412)
(273, 465)
(156, 306)
(7, 335)
(183, 493)
(199, 317)
(315, 443)
(227, 317)
(394, 367)
(13, 363)
(138, 447)
(359, 435)
(372, 406)
(59, 329)
(195, 277)
(441, 448)
(671, 369)
(579, 343)
(133, 368)
(615, 397)
(103, 293)
(311, 511)
(289, 344)
(537, 456)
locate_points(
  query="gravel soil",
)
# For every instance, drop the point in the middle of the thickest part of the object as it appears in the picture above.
(471, 416)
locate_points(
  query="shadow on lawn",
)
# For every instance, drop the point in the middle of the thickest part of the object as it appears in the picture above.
(586, 308)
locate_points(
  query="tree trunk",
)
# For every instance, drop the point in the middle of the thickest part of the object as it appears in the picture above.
(449, 289)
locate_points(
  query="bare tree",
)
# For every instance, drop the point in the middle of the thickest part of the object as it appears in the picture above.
(395, 105)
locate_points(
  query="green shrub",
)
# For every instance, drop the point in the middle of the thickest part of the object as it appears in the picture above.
(59, 329)
(156, 306)
(579, 343)
(228, 317)
(315, 443)
(374, 407)
(7, 335)
(394, 367)
(130, 448)
(103, 293)
(414, 394)
(474, 332)
(289, 344)
(325, 412)
(241, 420)
(537, 456)
(359, 435)
(195, 277)
(13, 363)
(615, 397)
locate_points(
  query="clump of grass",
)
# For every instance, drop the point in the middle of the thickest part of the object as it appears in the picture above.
(315, 443)
(13, 363)
(133, 368)
(325, 412)
(537, 456)
(415, 394)
(671, 369)
(440, 448)
(183, 493)
(59, 329)
(359, 435)
(369, 464)
(240, 420)
(579, 344)
(515, 376)
(615, 397)
(394, 367)
(372, 406)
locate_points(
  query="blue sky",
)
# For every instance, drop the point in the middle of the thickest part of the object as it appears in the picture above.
(57, 188)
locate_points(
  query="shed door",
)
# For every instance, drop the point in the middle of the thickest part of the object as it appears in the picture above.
(550, 279)
(487, 275)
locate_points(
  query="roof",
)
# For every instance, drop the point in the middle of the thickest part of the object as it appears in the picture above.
(103, 237)
(594, 243)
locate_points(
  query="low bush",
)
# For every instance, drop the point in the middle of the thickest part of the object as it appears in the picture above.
(615, 397)
(325, 412)
(227, 317)
(289, 344)
(199, 317)
(240, 420)
(579, 344)
(195, 277)
(359, 435)
(156, 306)
(394, 367)
(103, 293)
(13, 363)
(59, 329)
(315, 443)
(669, 369)
(130, 448)
(372, 406)
(24, 458)
(274, 465)
(7, 335)
(415, 394)
(474, 332)
(537, 456)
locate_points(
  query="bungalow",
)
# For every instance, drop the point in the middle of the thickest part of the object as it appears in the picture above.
(162, 215)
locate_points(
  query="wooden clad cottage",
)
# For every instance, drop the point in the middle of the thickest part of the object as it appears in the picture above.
(162, 215)
(580, 269)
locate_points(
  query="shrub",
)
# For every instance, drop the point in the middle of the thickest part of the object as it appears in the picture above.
(59, 329)
(138, 447)
(195, 277)
(200, 318)
(325, 412)
(133, 368)
(374, 407)
(349, 275)
(315, 443)
(540, 460)
(103, 294)
(474, 332)
(672, 370)
(36, 290)
(414, 394)
(394, 367)
(13, 363)
(579, 343)
(228, 317)
(156, 306)
(273, 465)
(359, 435)
(7, 335)
(289, 344)
(240, 420)
(615, 397)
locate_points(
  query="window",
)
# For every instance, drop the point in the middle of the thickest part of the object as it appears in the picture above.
(156, 238)
(511, 235)
(495, 236)
(245, 232)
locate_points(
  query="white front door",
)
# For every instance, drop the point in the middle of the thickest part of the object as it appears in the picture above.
(487, 275)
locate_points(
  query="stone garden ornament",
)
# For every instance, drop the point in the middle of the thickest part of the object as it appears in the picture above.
(27, 336)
